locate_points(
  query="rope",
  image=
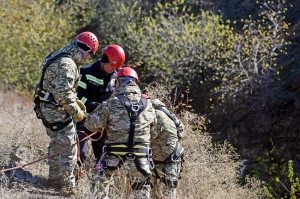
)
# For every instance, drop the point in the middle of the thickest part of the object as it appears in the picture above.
(80, 171)
(49, 156)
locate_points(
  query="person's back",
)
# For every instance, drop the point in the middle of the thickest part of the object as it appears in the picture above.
(167, 151)
(128, 118)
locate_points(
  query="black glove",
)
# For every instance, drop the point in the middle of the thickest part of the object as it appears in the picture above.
(94, 106)
(91, 106)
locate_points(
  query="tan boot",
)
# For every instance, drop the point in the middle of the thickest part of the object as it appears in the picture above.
(54, 183)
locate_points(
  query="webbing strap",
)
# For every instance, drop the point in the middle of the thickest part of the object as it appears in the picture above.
(133, 111)
(122, 149)
(38, 95)
(171, 115)
(47, 63)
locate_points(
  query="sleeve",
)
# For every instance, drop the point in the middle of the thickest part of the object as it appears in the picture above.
(81, 92)
(65, 91)
(98, 119)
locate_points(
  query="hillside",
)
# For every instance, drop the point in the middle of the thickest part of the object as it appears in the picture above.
(209, 171)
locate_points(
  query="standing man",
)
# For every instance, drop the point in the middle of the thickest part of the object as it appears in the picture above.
(167, 152)
(57, 105)
(97, 83)
(128, 118)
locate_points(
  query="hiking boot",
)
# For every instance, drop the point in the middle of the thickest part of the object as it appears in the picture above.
(54, 183)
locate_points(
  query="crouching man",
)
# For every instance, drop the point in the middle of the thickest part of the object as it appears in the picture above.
(128, 118)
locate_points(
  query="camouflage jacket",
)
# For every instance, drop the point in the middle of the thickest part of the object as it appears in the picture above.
(165, 135)
(113, 116)
(61, 79)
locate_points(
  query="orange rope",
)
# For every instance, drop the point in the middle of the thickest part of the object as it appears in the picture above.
(49, 156)
(80, 171)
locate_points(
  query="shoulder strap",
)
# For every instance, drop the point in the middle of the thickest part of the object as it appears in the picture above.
(47, 63)
(171, 115)
(133, 111)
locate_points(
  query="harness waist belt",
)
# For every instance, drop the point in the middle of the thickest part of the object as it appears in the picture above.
(122, 149)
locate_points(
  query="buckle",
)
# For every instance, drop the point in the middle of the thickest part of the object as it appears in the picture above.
(149, 151)
(135, 107)
(173, 158)
(130, 156)
(151, 163)
(46, 96)
(104, 150)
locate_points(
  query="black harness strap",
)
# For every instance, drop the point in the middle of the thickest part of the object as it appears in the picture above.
(41, 95)
(40, 91)
(133, 111)
(47, 63)
(170, 115)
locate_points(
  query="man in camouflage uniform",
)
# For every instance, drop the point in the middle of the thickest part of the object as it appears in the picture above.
(127, 147)
(167, 152)
(57, 105)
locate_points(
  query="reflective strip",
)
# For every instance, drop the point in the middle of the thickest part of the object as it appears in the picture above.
(83, 99)
(94, 79)
(82, 84)
(124, 146)
(113, 82)
(125, 153)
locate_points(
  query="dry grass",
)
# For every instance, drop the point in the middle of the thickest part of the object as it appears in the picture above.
(210, 171)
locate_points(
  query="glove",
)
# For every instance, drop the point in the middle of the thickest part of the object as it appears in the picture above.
(94, 106)
(80, 116)
(81, 105)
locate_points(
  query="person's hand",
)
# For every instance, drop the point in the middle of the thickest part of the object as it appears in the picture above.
(81, 105)
(80, 116)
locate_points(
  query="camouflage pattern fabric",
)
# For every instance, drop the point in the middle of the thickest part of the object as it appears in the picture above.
(62, 166)
(118, 179)
(61, 78)
(163, 142)
(113, 116)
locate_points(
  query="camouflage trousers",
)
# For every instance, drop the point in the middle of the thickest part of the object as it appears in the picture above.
(61, 166)
(125, 181)
(165, 187)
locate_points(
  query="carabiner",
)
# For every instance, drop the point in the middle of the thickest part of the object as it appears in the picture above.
(135, 107)
(130, 158)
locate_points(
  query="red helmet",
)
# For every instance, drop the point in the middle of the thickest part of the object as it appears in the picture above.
(128, 72)
(88, 39)
(115, 54)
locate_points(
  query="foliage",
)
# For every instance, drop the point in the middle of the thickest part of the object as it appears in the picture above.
(28, 36)
(288, 182)
(178, 47)
(253, 68)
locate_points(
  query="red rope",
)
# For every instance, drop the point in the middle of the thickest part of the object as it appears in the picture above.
(51, 155)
